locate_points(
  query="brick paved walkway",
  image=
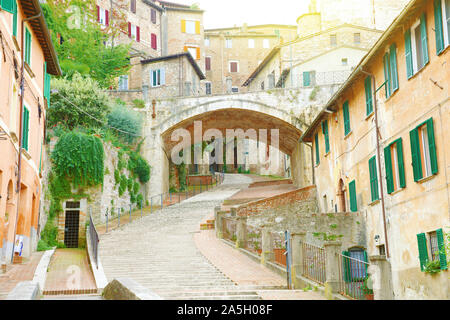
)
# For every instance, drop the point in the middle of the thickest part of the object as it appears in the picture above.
(69, 273)
(18, 272)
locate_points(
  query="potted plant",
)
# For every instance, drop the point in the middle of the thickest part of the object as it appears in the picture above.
(367, 289)
(432, 267)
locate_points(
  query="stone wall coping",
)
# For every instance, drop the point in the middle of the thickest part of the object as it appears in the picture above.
(40, 274)
(332, 243)
(25, 290)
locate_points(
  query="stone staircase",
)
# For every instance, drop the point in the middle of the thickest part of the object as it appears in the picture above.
(158, 252)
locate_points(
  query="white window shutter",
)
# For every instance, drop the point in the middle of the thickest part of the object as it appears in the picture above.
(163, 76)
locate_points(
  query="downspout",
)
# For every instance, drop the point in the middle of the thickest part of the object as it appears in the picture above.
(383, 208)
(19, 162)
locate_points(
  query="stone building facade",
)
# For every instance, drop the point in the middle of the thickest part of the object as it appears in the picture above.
(22, 120)
(233, 53)
(399, 178)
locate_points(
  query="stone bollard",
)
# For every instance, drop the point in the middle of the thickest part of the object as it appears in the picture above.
(380, 272)
(241, 232)
(332, 249)
(297, 257)
(218, 220)
(267, 253)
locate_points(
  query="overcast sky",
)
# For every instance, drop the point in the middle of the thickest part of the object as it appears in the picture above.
(227, 13)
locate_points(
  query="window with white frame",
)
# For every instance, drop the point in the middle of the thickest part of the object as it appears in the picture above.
(133, 31)
(207, 42)
(251, 43)
(446, 10)
(442, 24)
(266, 44)
(102, 16)
(208, 88)
(157, 77)
(228, 43)
(123, 83)
(193, 52)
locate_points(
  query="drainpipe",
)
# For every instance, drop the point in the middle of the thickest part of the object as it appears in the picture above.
(22, 94)
(383, 209)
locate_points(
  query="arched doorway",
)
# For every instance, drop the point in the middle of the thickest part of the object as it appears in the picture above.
(341, 196)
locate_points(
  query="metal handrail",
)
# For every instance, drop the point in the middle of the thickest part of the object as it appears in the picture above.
(94, 239)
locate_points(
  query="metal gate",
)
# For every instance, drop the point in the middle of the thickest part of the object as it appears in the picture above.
(71, 228)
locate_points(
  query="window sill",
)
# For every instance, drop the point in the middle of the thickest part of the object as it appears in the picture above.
(419, 71)
(369, 115)
(30, 72)
(348, 135)
(26, 154)
(426, 178)
(444, 51)
(392, 94)
(16, 43)
(396, 191)
(373, 203)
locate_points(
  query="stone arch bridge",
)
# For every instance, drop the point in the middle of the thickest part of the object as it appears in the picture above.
(289, 110)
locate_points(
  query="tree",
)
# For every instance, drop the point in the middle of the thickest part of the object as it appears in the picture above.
(82, 44)
(78, 102)
(126, 120)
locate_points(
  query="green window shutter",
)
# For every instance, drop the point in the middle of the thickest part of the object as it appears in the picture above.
(442, 249)
(432, 146)
(325, 135)
(387, 77)
(8, 5)
(15, 18)
(401, 163)
(25, 128)
(408, 55)
(352, 191)
(393, 67)
(439, 31)
(346, 113)
(424, 38)
(306, 79)
(389, 173)
(27, 46)
(346, 266)
(368, 86)
(316, 142)
(423, 252)
(373, 179)
(415, 154)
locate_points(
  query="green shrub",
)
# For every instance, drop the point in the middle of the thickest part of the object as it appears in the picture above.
(139, 167)
(117, 176)
(123, 184)
(130, 184)
(139, 199)
(138, 103)
(43, 246)
(127, 121)
(136, 187)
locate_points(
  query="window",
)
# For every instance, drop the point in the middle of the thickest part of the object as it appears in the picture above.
(423, 150)
(234, 66)
(271, 80)
(333, 40)
(442, 24)
(8, 5)
(251, 43)
(133, 6)
(326, 136)
(14, 17)
(381, 250)
(369, 98)
(416, 47)
(234, 89)
(436, 245)
(153, 16)
(154, 41)
(373, 179)
(316, 143)
(395, 168)
(357, 38)
(390, 71)
(262, 85)
(190, 26)
(208, 88)
(346, 112)
(306, 79)
(228, 43)
(208, 63)
(266, 44)
(27, 46)
(344, 61)
(134, 32)
(207, 42)
(123, 83)
(194, 51)
(352, 194)
(157, 77)
(25, 127)
(102, 16)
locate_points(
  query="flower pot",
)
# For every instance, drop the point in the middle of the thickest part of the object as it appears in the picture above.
(369, 296)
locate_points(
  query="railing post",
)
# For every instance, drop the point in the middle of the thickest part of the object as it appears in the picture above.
(241, 232)
(218, 220)
(130, 214)
(141, 209)
(297, 257)
(332, 251)
(267, 253)
(381, 275)
(106, 220)
(118, 220)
